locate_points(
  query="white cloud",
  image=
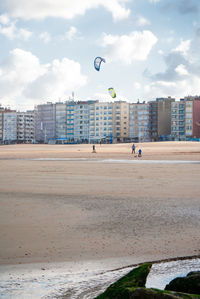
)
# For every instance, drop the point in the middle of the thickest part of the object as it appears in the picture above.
(183, 47)
(127, 48)
(137, 85)
(154, 1)
(25, 80)
(4, 19)
(71, 33)
(45, 36)
(178, 89)
(143, 22)
(181, 70)
(160, 52)
(40, 9)
(9, 29)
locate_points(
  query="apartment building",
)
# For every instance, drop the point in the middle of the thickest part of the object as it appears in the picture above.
(2, 111)
(1, 124)
(139, 122)
(70, 121)
(196, 118)
(178, 120)
(10, 127)
(81, 122)
(61, 122)
(45, 123)
(192, 117)
(120, 121)
(25, 127)
(160, 118)
(101, 122)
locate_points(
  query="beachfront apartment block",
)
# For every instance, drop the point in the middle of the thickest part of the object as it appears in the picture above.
(10, 127)
(178, 120)
(109, 122)
(101, 122)
(1, 124)
(185, 119)
(121, 121)
(45, 122)
(61, 122)
(25, 127)
(81, 122)
(192, 117)
(70, 121)
(160, 118)
(139, 122)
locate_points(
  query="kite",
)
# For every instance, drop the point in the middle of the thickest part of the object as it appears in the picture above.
(112, 92)
(97, 63)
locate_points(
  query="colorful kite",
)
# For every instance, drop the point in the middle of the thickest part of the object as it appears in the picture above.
(112, 92)
(97, 63)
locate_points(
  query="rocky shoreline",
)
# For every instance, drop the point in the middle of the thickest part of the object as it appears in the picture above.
(132, 285)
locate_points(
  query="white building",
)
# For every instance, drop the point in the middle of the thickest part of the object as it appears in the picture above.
(81, 122)
(10, 127)
(178, 120)
(25, 127)
(101, 122)
(188, 118)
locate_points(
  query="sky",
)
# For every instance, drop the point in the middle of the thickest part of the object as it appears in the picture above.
(48, 47)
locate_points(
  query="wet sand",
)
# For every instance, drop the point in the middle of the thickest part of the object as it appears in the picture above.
(54, 211)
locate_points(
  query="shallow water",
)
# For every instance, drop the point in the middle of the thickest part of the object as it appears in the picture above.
(78, 280)
(120, 161)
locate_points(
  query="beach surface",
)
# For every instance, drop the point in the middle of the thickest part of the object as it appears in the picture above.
(63, 203)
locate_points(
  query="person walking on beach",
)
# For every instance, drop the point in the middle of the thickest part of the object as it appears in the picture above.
(133, 148)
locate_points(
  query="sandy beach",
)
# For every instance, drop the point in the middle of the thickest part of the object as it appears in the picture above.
(80, 208)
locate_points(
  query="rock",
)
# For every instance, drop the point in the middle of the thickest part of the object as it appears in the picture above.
(132, 286)
(135, 278)
(193, 273)
(142, 293)
(189, 284)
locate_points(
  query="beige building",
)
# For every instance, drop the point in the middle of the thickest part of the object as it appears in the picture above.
(101, 122)
(120, 122)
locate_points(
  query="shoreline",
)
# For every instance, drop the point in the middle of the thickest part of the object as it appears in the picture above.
(82, 279)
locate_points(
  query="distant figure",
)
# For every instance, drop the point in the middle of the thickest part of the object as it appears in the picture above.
(139, 153)
(93, 149)
(133, 148)
(100, 142)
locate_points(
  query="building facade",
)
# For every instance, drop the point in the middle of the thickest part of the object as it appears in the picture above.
(25, 127)
(178, 120)
(81, 122)
(70, 121)
(61, 122)
(160, 119)
(10, 127)
(45, 123)
(101, 122)
(121, 122)
(139, 122)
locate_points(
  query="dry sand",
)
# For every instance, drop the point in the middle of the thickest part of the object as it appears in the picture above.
(77, 210)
